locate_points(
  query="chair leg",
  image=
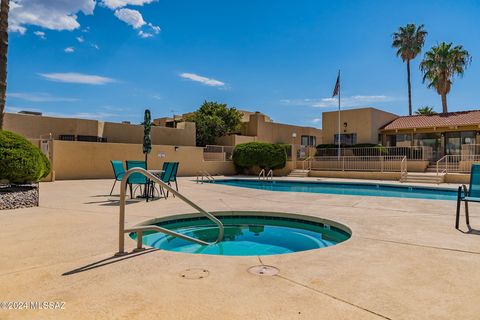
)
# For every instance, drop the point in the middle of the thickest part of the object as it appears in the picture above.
(113, 186)
(176, 185)
(467, 215)
(459, 200)
(131, 191)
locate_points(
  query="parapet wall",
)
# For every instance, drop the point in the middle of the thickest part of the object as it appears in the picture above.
(90, 160)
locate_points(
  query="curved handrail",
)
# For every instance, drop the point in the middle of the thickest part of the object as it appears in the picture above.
(139, 229)
(270, 174)
(445, 160)
(261, 174)
(308, 161)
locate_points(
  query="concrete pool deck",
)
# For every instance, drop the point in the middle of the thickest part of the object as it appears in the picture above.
(405, 260)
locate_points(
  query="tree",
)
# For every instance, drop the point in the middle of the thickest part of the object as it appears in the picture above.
(440, 65)
(214, 120)
(425, 111)
(4, 9)
(409, 41)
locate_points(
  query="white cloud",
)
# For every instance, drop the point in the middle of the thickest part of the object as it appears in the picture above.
(130, 17)
(352, 101)
(135, 19)
(73, 77)
(40, 34)
(204, 80)
(80, 39)
(39, 97)
(115, 4)
(316, 120)
(95, 46)
(69, 49)
(49, 14)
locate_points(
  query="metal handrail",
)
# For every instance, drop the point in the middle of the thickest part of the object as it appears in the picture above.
(139, 229)
(270, 174)
(308, 161)
(205, 174)
(403, 168)
(443, 159)
(261, 174)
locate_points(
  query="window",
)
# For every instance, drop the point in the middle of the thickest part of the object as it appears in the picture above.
(309, 141)
(347, 139)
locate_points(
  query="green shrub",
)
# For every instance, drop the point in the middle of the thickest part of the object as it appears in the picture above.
(20, 160)
(260, 154)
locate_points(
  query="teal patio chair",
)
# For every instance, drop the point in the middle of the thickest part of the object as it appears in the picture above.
(173, 176)
(168, 168)
(470, 194)
(137, 178)
(118, 171)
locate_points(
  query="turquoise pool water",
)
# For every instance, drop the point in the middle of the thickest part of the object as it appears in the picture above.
(247, 236)
(357, 189)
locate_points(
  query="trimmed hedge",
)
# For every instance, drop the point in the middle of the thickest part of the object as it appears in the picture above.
(260, 154)
(20, 160)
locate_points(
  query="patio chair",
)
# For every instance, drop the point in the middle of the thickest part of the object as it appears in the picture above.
(118, 171)
(173, 177)
(470, 194)
(137, 178)
(168, 168)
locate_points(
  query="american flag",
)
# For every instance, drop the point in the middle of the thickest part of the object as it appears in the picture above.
(336, 91)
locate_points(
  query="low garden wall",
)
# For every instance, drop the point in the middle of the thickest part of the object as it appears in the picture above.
(90, 160)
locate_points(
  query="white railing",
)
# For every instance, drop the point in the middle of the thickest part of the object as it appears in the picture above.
(412, 153)
(456, 163)
(361, 163)
(470, 149)
(218, 153)
(403, 168)
(307, 163)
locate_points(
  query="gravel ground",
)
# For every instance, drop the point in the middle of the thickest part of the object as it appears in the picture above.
(14, 197)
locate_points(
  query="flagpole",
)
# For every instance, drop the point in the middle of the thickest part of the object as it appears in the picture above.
(339, 130)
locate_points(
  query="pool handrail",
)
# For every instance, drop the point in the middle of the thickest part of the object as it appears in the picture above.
(139, 229)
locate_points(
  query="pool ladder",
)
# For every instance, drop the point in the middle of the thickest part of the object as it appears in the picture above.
(262, 176)
(206, 175)
(139, 229)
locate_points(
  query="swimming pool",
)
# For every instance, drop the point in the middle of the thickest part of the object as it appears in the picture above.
(343, 188)
(248, 235)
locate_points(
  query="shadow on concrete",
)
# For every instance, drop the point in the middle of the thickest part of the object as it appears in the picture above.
(107, 261)
(471, 231)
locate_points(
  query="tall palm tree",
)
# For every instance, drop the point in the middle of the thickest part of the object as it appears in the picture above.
(409, 41)
(425, 111)
(441, 64)
(4, 8)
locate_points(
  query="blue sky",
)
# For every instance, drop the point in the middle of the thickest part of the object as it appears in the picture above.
(111, 59)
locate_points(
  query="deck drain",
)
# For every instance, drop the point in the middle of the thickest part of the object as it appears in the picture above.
(263, 270)
(194, 274)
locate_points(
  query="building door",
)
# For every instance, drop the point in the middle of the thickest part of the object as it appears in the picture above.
(453, 143)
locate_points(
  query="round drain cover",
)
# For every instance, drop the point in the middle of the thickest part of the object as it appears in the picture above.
(263, 270)
(195, 273)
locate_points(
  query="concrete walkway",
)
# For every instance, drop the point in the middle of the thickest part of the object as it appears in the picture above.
(405, 260)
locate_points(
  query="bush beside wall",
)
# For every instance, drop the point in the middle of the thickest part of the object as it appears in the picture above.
(21, 161)
(259, 154)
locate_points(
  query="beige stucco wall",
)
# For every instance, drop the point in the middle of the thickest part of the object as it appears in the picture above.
(183, 135)
(365, 122)
(33, 127)
(234, 139)
(277, 132)
(357, 175)
(86, 160)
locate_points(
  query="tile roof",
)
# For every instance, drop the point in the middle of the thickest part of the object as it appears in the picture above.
(450, 119)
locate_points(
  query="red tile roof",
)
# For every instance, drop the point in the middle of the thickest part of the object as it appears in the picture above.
(451, 119)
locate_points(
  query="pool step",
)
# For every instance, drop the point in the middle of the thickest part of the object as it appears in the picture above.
(297, 173)
(422, 178)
